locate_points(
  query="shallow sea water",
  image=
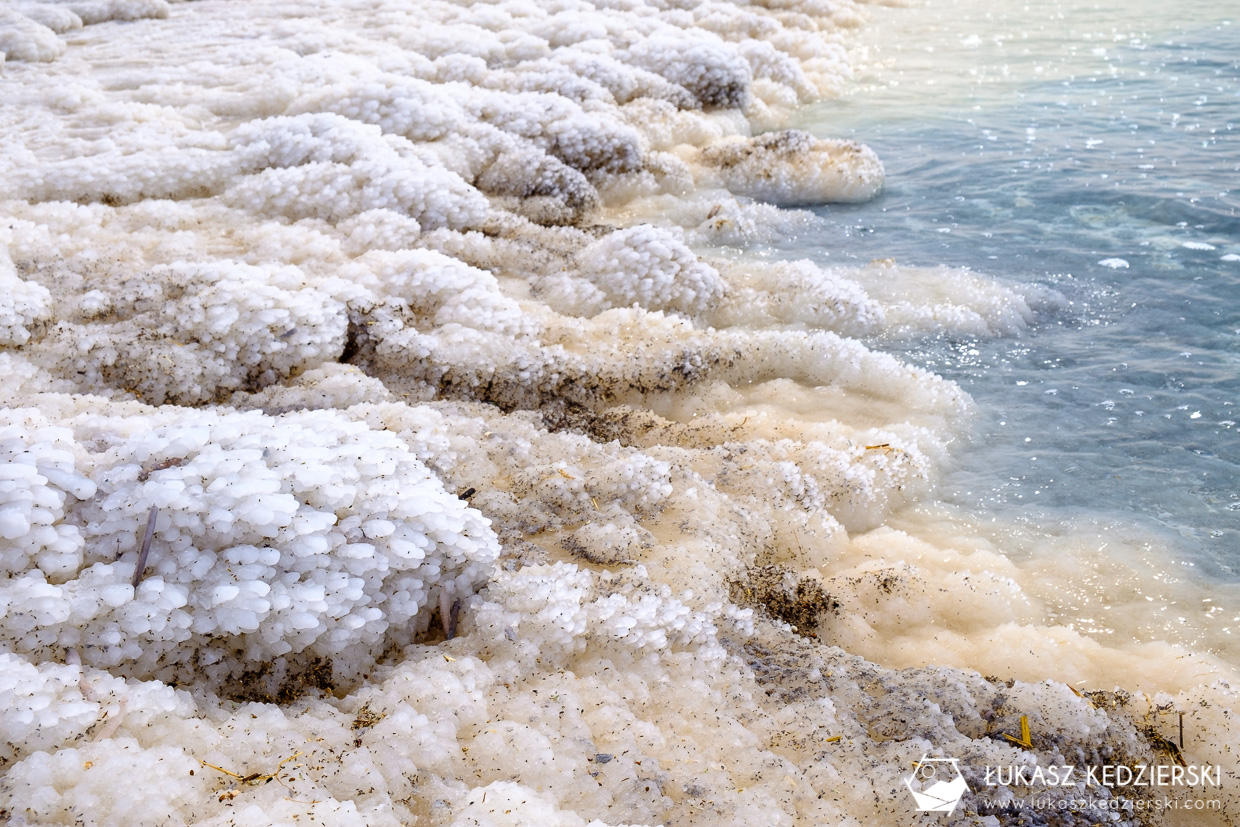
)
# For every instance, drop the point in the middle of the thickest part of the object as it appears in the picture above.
(1093, 148)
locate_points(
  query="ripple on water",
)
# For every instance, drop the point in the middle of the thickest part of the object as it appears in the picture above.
(1098, 161)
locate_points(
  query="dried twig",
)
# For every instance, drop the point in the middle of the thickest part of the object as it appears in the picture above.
(1025, 740)
(454, 615)
(254, 778)
(146, 546)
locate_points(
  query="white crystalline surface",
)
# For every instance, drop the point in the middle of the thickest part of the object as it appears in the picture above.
(306, 534)
(494, 484)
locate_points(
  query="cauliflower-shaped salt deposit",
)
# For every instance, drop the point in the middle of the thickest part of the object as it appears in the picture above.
(303, 534)
(700, 62)
(443, 291)
(653, 268)
(558, 607)
(22, 38)
(191, 332)
(37, 478)
(561, 127)
(329, 167)
(415, 108)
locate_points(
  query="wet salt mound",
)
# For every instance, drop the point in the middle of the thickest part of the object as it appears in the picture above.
(793, 167)
(487, 491)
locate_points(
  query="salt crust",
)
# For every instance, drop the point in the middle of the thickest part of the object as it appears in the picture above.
(22, 304)
(302, 534)
(25, 38)
(793, 167)
(280, 274)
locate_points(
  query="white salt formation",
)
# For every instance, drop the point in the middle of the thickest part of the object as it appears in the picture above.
(793, 167)
(305, 535)
(501, 476)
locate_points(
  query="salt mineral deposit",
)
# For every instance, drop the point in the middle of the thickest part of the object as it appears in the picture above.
(496, 483)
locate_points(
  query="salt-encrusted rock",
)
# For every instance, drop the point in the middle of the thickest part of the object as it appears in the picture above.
(27, 39)
(556, 124)
(38, 482)
(22, 303)
(331, 386)
(608, 543)
(307, 534)
(713, 72)
(442, 291)
(651, 268)
(100, 11)
(56, 17)
(415, 108)
(793, 167)
(189, 333)
(534, 481)
(797, 293)
(333, 168)
(623, 81)
(915, 303)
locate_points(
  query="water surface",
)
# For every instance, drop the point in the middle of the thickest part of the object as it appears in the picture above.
(1095, 148)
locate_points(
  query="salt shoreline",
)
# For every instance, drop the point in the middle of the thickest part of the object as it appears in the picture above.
(398, 316)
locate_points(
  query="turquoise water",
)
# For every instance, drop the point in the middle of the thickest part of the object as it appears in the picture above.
(1104, 162)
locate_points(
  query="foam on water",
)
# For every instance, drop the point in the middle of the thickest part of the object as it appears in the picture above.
(1089, 148)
